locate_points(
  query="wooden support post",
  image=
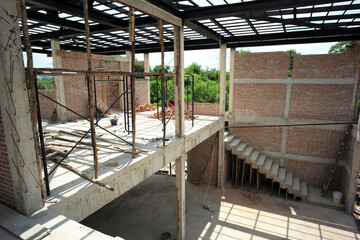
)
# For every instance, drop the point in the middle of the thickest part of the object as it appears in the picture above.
(179, 128)
(257, 180)
(163, 99)
(132, 40)
(33, 99)
(243, 174)
(231, 81)
(90, 88)
(222, 102)
(250, 178)
(147, 79)
(59, 82)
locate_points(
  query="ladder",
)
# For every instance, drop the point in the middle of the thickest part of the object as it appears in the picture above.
(339, 157)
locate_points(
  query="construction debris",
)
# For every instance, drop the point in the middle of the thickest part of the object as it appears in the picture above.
(170, 114)
(145, 108)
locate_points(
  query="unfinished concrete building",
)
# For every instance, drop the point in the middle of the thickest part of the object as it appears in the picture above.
(294, 137)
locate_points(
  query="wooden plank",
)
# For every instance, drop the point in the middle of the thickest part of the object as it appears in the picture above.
(163, 100)
(100, 57)
(90, 88)
(152, 10)
(133, 101)
(179, 80)
(33, 102)
(146, 70)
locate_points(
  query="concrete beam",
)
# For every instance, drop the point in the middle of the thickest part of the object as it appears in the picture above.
(147, 79)
(152, 10)
(59, 81)
(15, 110)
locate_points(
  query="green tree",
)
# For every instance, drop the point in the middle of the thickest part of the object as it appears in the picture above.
(292, 54)
(340, 47)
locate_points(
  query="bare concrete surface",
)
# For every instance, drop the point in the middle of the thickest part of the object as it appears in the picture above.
(148, 210)
(76, 198)
(20, 226)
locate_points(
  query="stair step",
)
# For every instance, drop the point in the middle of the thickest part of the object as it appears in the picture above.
(260, 161)
(231, 143)
(267, 166)
(303, 189)
(289, 180)
(241, 147)
(281, 175)
(234, 143)
(228, 138)
(296, 185)
(254, 156)
(247, 152)
(274, 170)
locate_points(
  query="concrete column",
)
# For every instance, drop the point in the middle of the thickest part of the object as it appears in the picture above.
(59, 81)
(179, 129)
(231, 81)
(15, 110)
(147, 79)
(222, 105)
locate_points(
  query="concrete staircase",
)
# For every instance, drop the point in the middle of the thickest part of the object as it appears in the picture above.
(265, 165)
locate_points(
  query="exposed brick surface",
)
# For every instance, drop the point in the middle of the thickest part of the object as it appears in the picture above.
(6, 183)
(314, 173)
(76, 94)
(261, 138)
(142, 92)
(269, 65)
(203, 160)
(321, 101)
(329, 102)
(211, 109)
(46, 106)
(325, 65)
(259, 99)
(314, 142)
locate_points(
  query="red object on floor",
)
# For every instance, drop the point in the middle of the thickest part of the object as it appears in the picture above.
(171, 103)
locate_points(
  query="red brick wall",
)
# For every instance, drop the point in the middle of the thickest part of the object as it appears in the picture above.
(259, 99)
(321, 143)
(261, 138)
(315, 173)
(199, 165)
(321, 101)
(46, 106)
(6, 183)
(325, 65)
(142, 92)
(317, 101)
(270, 65)
(76, 94)
(211, 109)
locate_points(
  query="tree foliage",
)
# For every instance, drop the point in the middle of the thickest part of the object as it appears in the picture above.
(292, 54)
(340, 47)
(206, 84)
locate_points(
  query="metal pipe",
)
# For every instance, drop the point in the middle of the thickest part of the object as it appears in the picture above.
(42, 145)
(292, 125)
(88, 119)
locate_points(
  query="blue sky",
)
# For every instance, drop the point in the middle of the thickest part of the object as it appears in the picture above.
(207, 58)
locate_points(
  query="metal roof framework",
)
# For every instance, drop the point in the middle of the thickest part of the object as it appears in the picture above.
(238, 23)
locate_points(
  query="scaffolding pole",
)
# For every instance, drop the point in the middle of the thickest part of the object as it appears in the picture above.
(133, 103)
(90, 87)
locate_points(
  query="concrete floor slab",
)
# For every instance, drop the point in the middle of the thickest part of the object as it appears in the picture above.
(148, 210)
(77, 198)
